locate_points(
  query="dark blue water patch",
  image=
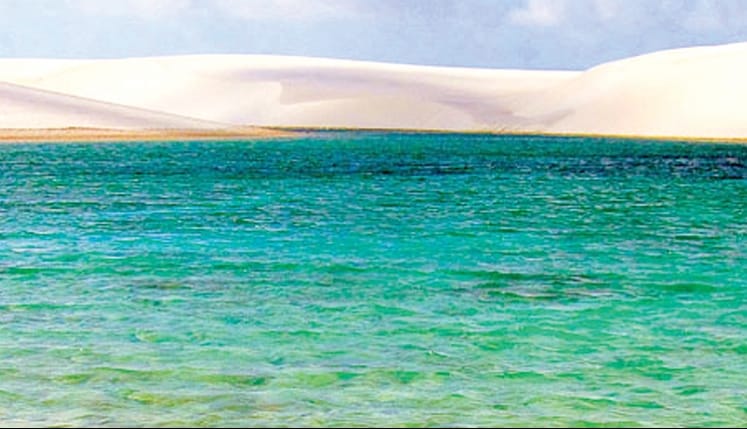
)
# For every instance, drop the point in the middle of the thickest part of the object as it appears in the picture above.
(394, 154)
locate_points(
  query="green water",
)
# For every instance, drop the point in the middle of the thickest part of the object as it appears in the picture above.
(373, 280)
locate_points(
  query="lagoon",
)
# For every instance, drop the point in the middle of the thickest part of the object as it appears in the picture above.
(371, 279)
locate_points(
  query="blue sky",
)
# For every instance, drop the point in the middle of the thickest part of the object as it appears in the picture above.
(536, 34)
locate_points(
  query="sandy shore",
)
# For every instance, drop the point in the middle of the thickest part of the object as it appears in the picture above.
(79, 134)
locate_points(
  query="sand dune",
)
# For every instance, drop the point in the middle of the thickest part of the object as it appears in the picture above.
(23, 107)
(295, 91)
(694, 92)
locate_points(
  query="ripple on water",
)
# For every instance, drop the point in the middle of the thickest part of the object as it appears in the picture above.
(373, 279)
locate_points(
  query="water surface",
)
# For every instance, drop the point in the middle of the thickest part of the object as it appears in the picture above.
(372, 279)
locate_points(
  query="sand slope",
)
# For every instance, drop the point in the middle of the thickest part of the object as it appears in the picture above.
(294, 91)
(23, 107)
(694, 92)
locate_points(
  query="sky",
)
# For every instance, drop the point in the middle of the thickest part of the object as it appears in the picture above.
(525, 34)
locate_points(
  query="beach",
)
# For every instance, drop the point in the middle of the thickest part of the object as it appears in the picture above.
(74, 134)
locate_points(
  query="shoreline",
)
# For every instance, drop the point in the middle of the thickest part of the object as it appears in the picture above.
(85, 134)
(487, 132)
(89, 134)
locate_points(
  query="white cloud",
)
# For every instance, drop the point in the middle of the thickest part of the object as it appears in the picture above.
(291, 10)
(705, 17)
(545, 13)
(607, 9)
(145, 9)
(287, 9)
(517, 33)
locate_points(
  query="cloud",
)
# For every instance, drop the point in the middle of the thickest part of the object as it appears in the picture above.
(568, 34)
(559, 13)
(704, 16)
(143, 9)
(607, 9)
(288, 10)
(545, 13)
(253, 10)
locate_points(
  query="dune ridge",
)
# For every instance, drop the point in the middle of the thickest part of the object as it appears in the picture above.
(692, 92)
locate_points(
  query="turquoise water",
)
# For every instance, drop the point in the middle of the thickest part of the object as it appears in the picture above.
(374, 279)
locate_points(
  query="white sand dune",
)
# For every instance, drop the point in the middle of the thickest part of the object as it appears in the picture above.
(293, 91)
(693, 92)
(23, 107)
